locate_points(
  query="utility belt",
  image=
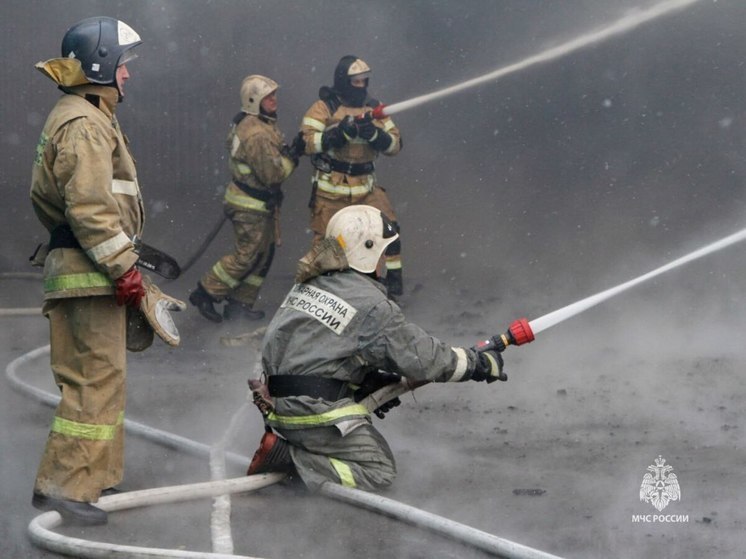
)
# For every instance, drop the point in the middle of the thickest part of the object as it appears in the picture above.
(282, 386)
(62, 237)
(271, 198)
(326, 164)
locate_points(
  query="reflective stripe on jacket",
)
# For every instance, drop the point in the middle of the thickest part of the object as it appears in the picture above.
(84, 176)
(342, 325)
(255, 148)
(336, 184)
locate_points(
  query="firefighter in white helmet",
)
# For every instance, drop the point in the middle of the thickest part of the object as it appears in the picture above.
(260, 161)
(336, 338)
(84, 190)
(344, 141)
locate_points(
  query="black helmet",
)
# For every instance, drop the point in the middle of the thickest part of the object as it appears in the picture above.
(101, 44)
(348, 67)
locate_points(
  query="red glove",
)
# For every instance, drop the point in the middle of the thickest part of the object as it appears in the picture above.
(130, 290)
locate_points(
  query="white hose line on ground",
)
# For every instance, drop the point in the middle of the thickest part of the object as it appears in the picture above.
(220, 519)
(164, 438)
(30, 311)
(438, 524)
(40, 528)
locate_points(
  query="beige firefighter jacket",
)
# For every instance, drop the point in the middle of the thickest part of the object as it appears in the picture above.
(335, 184)
(256, 147)
(84, 176)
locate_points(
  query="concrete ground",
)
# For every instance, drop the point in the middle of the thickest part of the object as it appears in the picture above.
(552, 459)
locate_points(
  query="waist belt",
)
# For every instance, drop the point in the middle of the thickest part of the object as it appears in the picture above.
(281, 386)
(326, 164)
(272, 198)
(62, 237)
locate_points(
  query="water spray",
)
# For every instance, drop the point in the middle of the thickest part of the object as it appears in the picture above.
(619, 27)
(523, 331)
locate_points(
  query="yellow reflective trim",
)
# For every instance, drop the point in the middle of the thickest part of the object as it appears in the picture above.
(76, 281)
(40, 147)
(108, 247)
(223, 276)
(331, 188)
(388, 125)
(317, 144)
(243, 168)
(120, 418)
(344, 472)
(243, 201)
(313, 123)
(393, 263)
(353, 410)
(83, 430)
(254, 280)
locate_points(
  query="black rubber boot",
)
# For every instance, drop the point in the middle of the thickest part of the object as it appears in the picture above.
(394, 283)
(234, 310)
(204, 303)
(72, 512)
(273, 455)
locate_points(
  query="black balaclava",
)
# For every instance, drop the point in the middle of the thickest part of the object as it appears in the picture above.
(352, 96)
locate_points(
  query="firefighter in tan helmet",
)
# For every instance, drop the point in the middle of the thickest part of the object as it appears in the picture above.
(85, 192)
(344, 141)
(260, 161)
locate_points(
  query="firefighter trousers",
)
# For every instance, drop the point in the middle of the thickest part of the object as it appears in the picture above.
(85, 449)
(361, 459)
(240, 275)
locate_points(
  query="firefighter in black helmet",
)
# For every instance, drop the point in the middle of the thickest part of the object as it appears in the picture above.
(343, 141)
(85, 192)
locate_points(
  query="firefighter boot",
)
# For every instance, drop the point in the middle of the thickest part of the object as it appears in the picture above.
(236, 310)
(273, 455)
(204, 303)
(72, 512)
(394, 283)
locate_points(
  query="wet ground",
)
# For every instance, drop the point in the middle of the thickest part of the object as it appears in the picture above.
(553, 459)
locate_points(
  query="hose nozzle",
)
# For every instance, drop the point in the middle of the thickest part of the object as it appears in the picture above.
(378, 113)
(519, 333)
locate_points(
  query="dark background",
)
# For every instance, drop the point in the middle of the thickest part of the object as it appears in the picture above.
(515, 198)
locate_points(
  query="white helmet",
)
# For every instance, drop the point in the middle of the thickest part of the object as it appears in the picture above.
(364, 233)
(254, 88)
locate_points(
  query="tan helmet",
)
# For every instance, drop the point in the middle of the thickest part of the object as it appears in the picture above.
(363, 232)
(254, 88)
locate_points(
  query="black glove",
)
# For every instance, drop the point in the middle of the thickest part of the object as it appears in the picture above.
(333, 138)
(489, 367)
(375, 380)
(295, 149)
(383, 409)
(349, 127)
(366, 129)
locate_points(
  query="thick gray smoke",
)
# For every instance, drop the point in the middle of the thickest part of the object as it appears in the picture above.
(515, 198)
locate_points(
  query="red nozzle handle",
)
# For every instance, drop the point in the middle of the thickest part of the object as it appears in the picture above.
(521, 332)
(378, 113)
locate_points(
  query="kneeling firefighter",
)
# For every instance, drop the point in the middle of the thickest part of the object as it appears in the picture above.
(85, 192)
(335, 339)
(260, 161)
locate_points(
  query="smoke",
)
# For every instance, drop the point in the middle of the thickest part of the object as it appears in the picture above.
(515, 199)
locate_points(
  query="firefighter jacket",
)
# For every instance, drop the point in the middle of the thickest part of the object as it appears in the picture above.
(258, 164)
(84, 182)
(341, 325)
(336, 184)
